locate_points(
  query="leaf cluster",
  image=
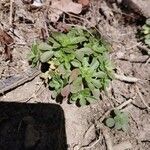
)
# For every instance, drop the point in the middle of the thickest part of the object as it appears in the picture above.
(146, 32)
(79, 66)
(119, 121)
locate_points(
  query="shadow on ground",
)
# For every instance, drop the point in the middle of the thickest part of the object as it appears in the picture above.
(32, 127)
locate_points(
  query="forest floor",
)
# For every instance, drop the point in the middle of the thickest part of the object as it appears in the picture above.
(83, 126)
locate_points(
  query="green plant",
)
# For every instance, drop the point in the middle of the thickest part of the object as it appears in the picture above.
(79, 66)
(120, 121)
(146, 32)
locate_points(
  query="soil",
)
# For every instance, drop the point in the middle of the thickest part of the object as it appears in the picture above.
(30, 119)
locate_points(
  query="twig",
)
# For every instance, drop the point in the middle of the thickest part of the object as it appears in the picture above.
(144, 48)
(141, 97)
(107, 139)
(126, 79)
(118, 107)
(25, 79)
(89, 146)
(11, 12)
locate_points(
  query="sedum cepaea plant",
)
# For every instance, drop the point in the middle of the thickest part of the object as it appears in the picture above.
(146, 32)
(79, 66)
(119, 121)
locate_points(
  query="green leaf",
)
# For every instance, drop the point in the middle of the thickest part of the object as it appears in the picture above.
(117, 112)
(99, 74)
(118, 126)
(125, 127)
(110, 122)
(46, 56)
(96, 93)
(54, 94)
(95, 63)
(147, 41)
(148, 21)
(54, 43)
(44, 46)
(82, 101)
(76, 63)
(96, 83)
(79, 55)
(76, 86)
(69, 49)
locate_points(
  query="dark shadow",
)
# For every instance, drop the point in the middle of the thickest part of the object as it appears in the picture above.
(32, 127)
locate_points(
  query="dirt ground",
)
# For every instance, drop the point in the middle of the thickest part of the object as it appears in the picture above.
(119, 26)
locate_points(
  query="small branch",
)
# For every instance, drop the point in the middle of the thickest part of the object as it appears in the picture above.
(126, 79)
(107, 139)
(147, 50)
(118, 107)
(26, 78)
(11, 12)
(141, 97)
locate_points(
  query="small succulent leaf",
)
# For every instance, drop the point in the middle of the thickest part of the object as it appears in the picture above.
(85, 62)
(82, 101)
(44, 47)
(118, 126)
(74, 97)
(125, 127)
(46, 56)
(30, 56)
(94, 64)
(34, 48)
(61, 69)
(69, 49)
(76, 86)
(147, 36)
(117, 112)
(85, 50)
(110, 122)
(91, 86)
(147, 41)
(54, 94)
(79, 55)
(99, 74)
(74, 74)
(96, 83)
(96, 93)
(53, 43)
(146, 29)
(90, 99)
(76, 40)
(148, 21)
(76, 63)
(65, 91)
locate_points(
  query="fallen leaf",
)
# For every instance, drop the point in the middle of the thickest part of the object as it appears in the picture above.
(65, 91)
(74, 75)
(84, 2)
(58, 7)
(5, 38)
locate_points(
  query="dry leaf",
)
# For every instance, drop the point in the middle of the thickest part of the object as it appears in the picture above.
(74, 75)
(58, 7)
(65, 91)
(84, 2)
(5, 38)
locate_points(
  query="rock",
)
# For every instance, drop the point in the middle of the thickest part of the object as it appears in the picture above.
(141, 7)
